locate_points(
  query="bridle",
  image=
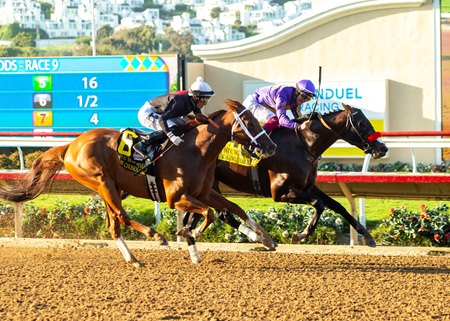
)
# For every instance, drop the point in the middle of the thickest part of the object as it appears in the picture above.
(365, 142)
(238, 121)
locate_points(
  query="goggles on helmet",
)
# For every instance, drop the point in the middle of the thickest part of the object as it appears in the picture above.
(203, 99)
(306, 95)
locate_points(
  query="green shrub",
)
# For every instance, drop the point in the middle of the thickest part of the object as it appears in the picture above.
(83, 221)
(15, 159)
(430, 227)
(279, 223)
(6, 220)
(7, 163)
(168, 224)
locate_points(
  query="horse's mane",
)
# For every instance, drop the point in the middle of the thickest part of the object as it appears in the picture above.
(216, 113)
(306, 117)
(192, 121)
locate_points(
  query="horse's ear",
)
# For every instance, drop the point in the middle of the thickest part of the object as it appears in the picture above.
(232, 104)
(346, 107)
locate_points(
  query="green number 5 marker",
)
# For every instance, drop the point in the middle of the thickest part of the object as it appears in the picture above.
(42, 82)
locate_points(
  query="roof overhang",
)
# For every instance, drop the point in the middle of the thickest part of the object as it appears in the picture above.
(332, 11)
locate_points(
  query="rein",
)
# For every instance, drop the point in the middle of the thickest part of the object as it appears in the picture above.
(349, 121)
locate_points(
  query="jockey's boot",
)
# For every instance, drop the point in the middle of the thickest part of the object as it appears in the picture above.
(145, 147)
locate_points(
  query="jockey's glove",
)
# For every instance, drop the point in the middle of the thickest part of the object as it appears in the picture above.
(174, 139)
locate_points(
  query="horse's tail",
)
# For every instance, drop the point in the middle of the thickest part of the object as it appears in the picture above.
(47, 165)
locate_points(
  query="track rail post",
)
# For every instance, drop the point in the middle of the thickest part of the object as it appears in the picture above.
(18, 210)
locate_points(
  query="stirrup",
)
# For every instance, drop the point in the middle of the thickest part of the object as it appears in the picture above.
(141, 149)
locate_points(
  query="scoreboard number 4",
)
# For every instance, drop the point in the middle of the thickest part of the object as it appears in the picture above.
(94, 119)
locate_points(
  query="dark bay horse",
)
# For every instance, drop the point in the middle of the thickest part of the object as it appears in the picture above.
(184, 175)
(290, 175)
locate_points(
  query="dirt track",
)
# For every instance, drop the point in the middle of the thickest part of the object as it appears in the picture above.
(81, 282)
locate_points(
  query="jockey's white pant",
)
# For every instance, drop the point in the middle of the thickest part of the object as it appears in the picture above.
(148, 117)
(261, 112)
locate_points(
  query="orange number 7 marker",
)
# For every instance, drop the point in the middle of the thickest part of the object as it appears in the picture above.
(42, 118)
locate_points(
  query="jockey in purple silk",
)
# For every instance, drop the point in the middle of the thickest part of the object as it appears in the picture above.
(270, 104)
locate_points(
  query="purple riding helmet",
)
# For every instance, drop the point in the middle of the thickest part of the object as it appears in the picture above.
(306, 86)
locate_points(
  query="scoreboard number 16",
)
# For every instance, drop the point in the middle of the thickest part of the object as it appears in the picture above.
(89, 83)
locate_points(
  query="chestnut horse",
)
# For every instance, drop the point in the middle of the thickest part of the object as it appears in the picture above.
(289, 176)
(184, 174)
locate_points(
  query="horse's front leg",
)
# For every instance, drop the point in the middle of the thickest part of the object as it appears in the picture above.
(189, 204)
(338, 208)
(220, 203)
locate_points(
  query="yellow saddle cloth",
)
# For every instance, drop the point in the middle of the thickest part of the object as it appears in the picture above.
(234, 153)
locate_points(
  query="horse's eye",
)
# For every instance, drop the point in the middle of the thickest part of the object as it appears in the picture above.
(361, 125)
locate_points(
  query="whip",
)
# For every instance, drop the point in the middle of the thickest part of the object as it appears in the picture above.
(318, 92)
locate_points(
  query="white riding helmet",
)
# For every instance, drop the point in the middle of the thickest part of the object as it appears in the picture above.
(200, 88)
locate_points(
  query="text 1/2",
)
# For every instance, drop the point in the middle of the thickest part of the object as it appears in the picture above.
(87, 101)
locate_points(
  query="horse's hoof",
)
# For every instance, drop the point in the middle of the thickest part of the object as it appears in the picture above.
(297, 237)
(193, 253)
(269, 243)
(161, 239)
(138, 264)
(370, 242)
(196, 261)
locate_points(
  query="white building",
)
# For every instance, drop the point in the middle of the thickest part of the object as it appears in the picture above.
(26, 12)
(73, 18)
(149, 17)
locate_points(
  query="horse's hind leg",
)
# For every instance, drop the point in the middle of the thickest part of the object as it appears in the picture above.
(297, 196)
(312, 224)
(149, 231)
(192, 205)
(338, 208)
(117, 214)
(113, 198)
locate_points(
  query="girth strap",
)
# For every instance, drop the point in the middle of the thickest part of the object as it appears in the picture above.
(254, 177)
(153, 188)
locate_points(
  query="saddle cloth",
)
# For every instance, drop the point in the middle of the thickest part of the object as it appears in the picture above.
(233, 153)
(128, 137)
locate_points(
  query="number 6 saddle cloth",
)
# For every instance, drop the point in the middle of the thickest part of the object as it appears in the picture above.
(135, 163)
